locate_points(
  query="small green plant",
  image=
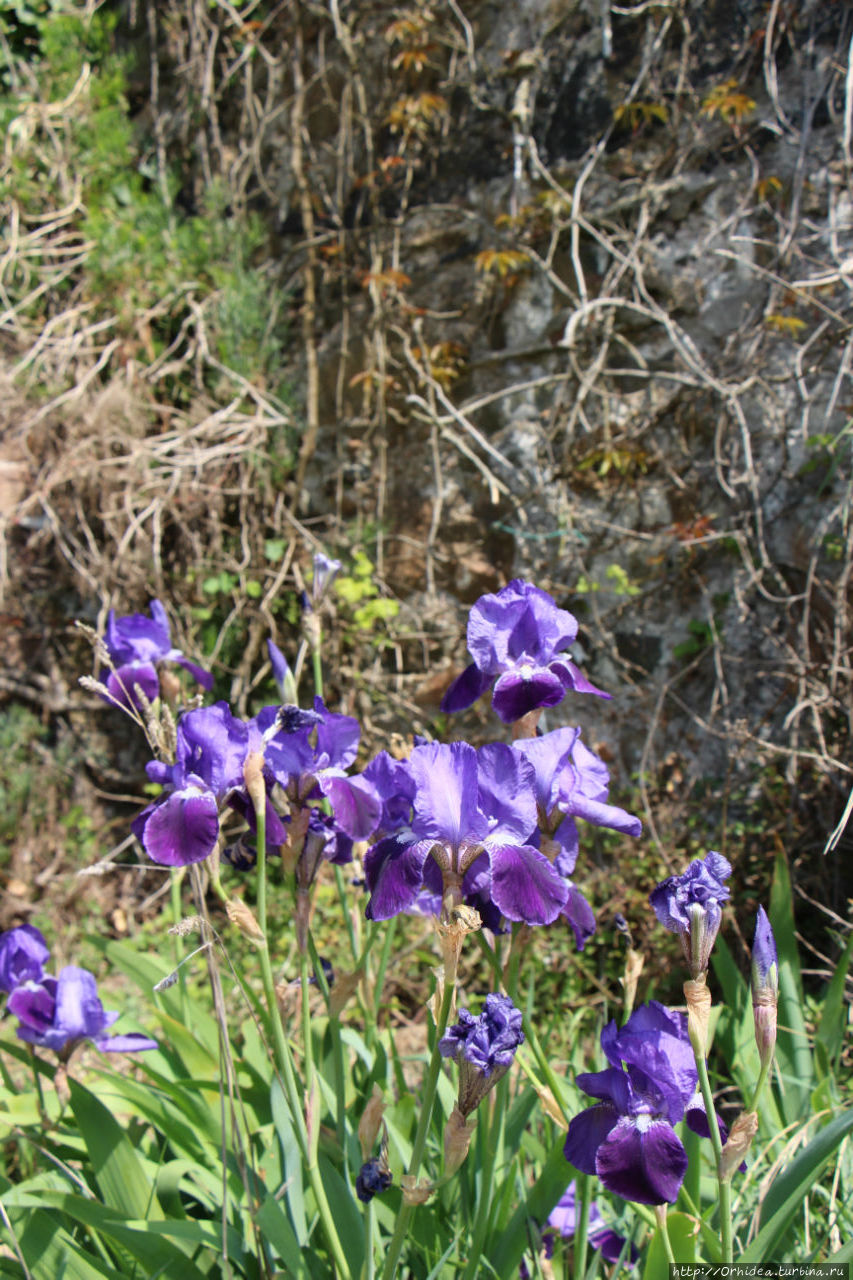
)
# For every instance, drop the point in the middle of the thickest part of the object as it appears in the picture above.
(360, 592)
(700, 637)
(618, 581)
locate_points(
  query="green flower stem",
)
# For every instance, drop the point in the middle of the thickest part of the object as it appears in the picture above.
(177, 878)
(283, 1055)
(307, 1042)
(491, 1146)
(337, 1045)
(384, 958)
(427, 1100)
(45, 1120)
(724, 1185)
(660, 1215)
(368, 1271)
(342, 895)
(317, 662)
(762, 1077)
(583, 1200)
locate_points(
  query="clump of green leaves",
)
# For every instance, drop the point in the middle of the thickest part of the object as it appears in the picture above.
(359, 590)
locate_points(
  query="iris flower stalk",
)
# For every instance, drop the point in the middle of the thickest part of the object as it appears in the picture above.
(427, 1101)
(253, 773)
(484, 1048)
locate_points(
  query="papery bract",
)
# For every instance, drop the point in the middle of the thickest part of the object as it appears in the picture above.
(516, 638)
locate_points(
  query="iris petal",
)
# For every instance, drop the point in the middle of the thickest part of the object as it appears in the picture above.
(525, 886)
(394, 871)
(645, 1163)
(586, 1133)
(182, 830)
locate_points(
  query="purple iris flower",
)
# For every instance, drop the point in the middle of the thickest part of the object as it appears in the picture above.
(377, 800)
(136, 643)
(183, 826)
(571, 781)
(628, 1138)
(23, 952)
(58, 1013)
(691, 906)
(305, 750)
(484, 1048)
(516, 638)
(474, 815)
(563, 1222)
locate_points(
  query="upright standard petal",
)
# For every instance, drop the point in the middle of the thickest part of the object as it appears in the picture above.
(507, 794)
(23, 955)
(445, 802)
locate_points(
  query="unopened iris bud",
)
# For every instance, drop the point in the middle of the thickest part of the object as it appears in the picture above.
(765, 986)
(282, 675)
(325, 572)
(484, 1048)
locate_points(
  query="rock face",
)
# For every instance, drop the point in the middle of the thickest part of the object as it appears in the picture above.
(594, 317)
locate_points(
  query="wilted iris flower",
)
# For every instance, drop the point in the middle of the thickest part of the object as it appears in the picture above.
(484, 1048)
(469, 840)
(628, 1138)
(59, 1013)
(373, 1178)
(136, 643)
(517, 638)
(563, 1222)
(691, 906)
(23, 953)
